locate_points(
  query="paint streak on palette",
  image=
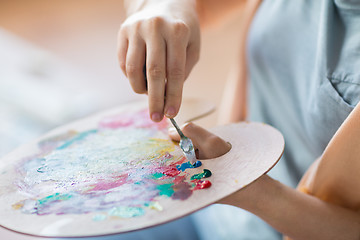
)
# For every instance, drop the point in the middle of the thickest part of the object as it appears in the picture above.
(118, 170)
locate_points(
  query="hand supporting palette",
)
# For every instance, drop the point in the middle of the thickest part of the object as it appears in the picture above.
(118, 171)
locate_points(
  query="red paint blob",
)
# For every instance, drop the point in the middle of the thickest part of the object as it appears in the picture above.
(202, 184)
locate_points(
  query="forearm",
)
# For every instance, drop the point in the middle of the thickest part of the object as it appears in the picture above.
(295, 214)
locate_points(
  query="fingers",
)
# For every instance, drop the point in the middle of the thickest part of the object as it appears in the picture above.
(122, 47)
(169, 48)
(176, 60)
(192, 56)
(131, 56)
(156, 64)
(135, 59)
(208, 144)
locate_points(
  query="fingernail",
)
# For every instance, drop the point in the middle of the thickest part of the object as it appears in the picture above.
(156, 117)
(170, 112)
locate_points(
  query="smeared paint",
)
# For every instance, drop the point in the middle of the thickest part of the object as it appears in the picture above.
(54, 142)
(17, 206)
(157, 175)
(206, 173)
(99, 217)
(54, 197)
(134, 119)
(182, 167)
(166, 189)
(121, 169)
(182, 191)
(154, 206)
(126, 212)
(78, 137)
(172, 172)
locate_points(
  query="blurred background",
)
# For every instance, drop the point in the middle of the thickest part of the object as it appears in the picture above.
(58, 63)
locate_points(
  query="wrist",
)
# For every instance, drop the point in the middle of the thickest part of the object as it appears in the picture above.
(134, 6)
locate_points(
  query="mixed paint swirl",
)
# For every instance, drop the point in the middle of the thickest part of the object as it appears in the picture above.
(119, 169)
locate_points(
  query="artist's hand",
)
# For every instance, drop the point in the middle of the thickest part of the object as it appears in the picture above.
(207, 144)
(164, 36)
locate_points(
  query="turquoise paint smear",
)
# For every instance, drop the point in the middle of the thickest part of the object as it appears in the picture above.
(126, 212)
(166, 189)
(54, 197)
(157, 175)
(78, 137)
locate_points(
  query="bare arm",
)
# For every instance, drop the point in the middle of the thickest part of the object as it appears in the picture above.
(293, 213)
(330, 209)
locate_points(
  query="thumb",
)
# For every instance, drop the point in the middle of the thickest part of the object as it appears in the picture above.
(208, 144)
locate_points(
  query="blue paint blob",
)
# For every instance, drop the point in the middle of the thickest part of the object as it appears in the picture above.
(186, 165)
(197, 164)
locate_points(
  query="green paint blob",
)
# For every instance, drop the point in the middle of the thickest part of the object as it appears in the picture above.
(205, 174)
(166, 189)
(54, 197)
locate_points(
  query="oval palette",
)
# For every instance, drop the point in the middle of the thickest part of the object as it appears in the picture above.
(118, 171)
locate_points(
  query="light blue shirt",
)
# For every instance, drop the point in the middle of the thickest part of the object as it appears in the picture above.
(304, 65)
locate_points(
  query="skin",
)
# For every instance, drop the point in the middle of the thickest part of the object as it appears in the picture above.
(168, 42)
(293, 213)
(164, 35)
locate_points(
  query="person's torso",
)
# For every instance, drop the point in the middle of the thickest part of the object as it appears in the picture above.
(304, 65)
